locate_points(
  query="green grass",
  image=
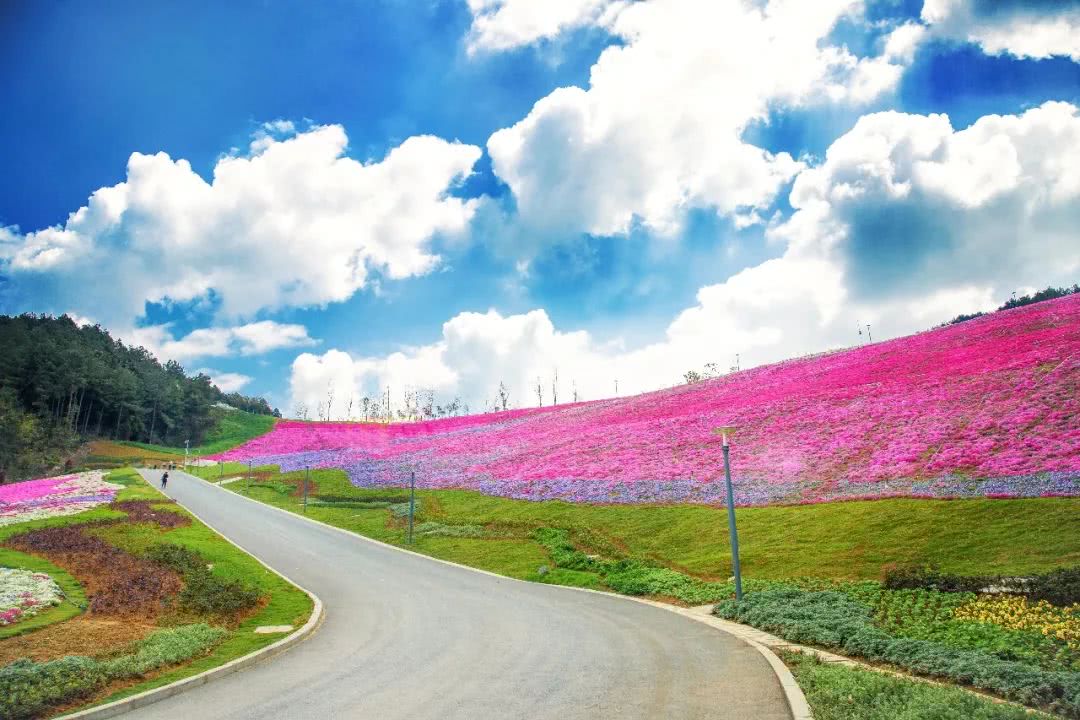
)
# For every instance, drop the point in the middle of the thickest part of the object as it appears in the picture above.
(850, 540)
(287, 605)
(837, 692)
(233, 427)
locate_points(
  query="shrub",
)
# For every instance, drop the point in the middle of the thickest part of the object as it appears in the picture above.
(176, 558)
(207, 594)
(1060, 587)
(834, 620)
(28, 689)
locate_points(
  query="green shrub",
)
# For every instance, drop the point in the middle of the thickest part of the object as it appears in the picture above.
(834, 620)
(436, 529)
(165, 647)
(206, 594)
(28, 689)
(836, 692)
(1060, 587)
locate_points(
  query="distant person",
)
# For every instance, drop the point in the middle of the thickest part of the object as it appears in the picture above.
(164, 480)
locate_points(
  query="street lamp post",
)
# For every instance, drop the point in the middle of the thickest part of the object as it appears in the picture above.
(732, 532)
(186, 443)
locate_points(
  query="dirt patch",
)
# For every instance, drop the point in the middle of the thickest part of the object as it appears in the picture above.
(83, 635)
(150, 511)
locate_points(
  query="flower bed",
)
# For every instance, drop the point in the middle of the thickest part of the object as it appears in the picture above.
(24, 594)
(985, 408)
(54, 497)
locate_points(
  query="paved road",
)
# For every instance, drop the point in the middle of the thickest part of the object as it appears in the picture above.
(408, 637)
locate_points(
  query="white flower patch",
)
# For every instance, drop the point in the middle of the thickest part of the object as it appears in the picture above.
(24, 594)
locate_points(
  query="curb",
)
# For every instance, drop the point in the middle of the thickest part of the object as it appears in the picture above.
(796, 700)
(149, 697)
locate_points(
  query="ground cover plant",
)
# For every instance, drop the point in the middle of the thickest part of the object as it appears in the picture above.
(837, 692)
(54, 497)
(23, 594)
(162, 597)
(849, 619)
(984, 408)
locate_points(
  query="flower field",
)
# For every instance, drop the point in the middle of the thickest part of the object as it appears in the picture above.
(984, 408)
(54, 497)
(24, 594)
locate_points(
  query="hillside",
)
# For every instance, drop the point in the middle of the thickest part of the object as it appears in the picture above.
(989, 407)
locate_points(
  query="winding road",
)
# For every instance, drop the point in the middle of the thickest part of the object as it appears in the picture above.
(405, 636)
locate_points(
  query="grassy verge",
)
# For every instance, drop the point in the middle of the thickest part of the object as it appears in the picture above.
(848, 541)
(837, 692)
(232, 571)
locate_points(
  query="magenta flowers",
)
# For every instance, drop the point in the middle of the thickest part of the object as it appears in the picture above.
(985, 408)
(53, 497)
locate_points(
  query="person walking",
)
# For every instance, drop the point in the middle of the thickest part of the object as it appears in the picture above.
(164, 480)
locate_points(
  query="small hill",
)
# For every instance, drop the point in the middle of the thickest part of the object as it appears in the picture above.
(989, 407)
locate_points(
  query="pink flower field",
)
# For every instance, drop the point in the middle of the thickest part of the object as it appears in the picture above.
(54, 497)
(985, 408)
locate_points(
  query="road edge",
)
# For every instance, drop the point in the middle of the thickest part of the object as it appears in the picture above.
(149, 697)
(793, 694)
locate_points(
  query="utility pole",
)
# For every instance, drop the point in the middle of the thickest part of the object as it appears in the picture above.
(871, 337)
(732, 532)
(412, 503)
(307, 481)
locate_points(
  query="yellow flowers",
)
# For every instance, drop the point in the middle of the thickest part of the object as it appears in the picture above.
(1016, 613)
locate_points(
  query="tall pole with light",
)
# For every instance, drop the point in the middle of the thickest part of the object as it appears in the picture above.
(732, 532)
(186, 444)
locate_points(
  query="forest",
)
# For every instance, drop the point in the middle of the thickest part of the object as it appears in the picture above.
(61, 383)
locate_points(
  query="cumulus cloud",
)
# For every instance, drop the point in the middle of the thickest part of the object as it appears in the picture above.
(227, 382)
(906, 223)
(251, 339)
(1022, 29)
(506, 24)
(293, 222)
(659, 129)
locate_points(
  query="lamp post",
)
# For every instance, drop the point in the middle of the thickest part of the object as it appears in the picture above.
(412, 503)
(186, 443)
(732, 532)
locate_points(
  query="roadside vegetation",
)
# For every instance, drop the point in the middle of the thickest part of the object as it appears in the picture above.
(150, 595)
(838, 692)
(850, 562)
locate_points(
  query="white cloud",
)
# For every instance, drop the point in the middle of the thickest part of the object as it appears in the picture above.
(1023, 29)
(506, 24)
(292, 223)
(227, 382)
(659, 130)
(906, 223)
(251, 339)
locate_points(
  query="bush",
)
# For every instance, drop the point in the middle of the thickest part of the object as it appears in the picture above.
(834, 620)
(207, 594)
(203, 593)
(836, 692)
(28, 689)
(1060, 587)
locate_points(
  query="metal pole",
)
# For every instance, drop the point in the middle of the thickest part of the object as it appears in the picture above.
(731, 522)
(221, 471)
(412, 503)
(249, 476)
(307, 479)
(186, 442)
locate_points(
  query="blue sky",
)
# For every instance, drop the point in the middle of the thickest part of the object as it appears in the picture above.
(663, 215)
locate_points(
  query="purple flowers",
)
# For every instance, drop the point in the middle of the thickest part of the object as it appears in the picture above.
(985, 408)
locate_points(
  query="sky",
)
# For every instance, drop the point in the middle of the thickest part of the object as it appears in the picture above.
(574, 198)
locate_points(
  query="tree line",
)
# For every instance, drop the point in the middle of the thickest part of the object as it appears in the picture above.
(61, 382)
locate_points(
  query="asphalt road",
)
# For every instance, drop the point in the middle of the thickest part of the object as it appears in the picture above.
(408, 637)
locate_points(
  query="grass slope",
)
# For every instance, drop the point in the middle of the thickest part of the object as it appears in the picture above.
(286, 605)
(851, 540)
(233, 428)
